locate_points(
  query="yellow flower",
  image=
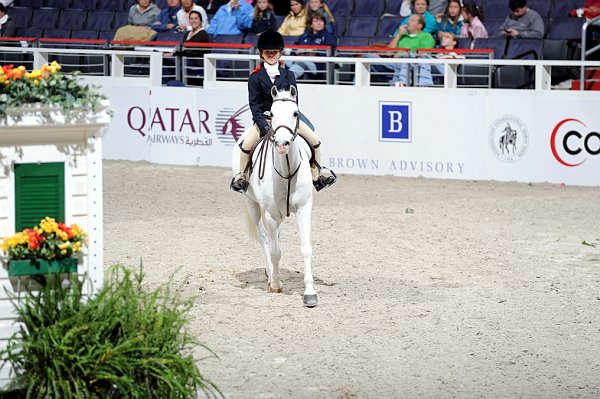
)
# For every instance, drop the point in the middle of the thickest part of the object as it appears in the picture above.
(62, 235)
(64, 245)
(77, 246)
(36, 82)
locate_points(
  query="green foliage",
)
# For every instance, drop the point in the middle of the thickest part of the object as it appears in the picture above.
(125, 342)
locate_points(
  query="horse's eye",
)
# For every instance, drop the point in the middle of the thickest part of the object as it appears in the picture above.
(296, 114)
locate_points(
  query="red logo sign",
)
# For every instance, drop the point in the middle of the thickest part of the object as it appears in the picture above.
(571, 142)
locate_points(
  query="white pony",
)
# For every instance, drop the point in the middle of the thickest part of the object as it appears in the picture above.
(281, 182)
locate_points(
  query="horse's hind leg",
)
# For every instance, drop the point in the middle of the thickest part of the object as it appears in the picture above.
(263, 238)
(303, 216)
(272, 227)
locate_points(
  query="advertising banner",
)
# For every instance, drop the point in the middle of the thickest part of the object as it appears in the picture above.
(505, 135)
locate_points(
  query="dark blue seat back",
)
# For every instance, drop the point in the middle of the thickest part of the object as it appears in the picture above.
(464, 43)
(106, 35)
(496, 44)
(393, 7)
(59, 3)
(57, 33)
(84, 4)
(121, 19)
(21, 16)
(339, 26)
(111, 5)
(371, 8)
(234, 39)
(562, 7)
(29, 32)
(542, 7)
(354, 41)
(524, 49)
(388, 25)
(170, 37)
(495, 9)
(72, 19)
(84, 34)
(29, 3)
(340, 7)
(100, 20)
(492, 25)
(362, 26)
(45, 17)
(565, 28)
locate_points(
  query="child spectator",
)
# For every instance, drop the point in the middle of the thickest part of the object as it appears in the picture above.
(316, 35)
(452, 20)
(473, 22)
(294, 23)
(420, 8)
(522, 22)
(167, 19)
(7, 26)
(319, 6)
(183, 15)
(264, 17)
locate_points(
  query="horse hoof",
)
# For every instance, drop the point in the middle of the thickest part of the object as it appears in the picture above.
(274, 290)
(310, 301)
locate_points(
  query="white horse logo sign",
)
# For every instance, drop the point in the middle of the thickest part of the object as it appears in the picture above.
(508, 138)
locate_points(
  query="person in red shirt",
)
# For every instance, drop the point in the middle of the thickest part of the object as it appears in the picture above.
(590, 10)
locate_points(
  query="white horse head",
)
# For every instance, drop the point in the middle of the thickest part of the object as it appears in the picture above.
(285, 118)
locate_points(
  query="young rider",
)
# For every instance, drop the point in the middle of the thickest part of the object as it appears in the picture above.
(268, 74)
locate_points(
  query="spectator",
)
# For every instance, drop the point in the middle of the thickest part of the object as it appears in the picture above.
(437, 6)
(473, 22)
(522, 22)
(316, 35)
(448, 42)
(233, 18)
(420, 8)
(211, 6)
(314, 6)
(142, 16)
(294, 23)
(264, 17)
(167, 19)
(452, 20)
(411, 36)
(196, 35)
(183, 15)
(590, 10)
(7, 26)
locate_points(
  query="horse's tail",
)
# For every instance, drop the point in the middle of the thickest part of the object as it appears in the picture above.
(250, 226)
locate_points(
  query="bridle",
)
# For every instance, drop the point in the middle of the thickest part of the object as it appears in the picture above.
(294, 134)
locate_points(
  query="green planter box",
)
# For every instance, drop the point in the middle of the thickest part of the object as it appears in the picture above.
(41, 266)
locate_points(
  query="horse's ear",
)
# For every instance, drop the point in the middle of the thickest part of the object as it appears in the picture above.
(274, 91)
(294, 92)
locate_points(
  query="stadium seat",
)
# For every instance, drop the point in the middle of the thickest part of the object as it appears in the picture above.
(524, 49)
(393, 7)
(29, 32)
(84, 34)
(234, 39)
(106, 35)
(354, 41)
(565, 28)
(562, 7)
(362, 26)
(339, 27)
(492, 25)
(342, 8)
(542, 7)
(170, 37)
(111, 5)
(121, 19)
(56, 33)
(495, 9)
(29, 3)
(496, 44)
(101, 20)
(388, 25)
(45, 18)
(289, 40)
(517, 76)
(21, 16)
(59, 3)
(72, 19)
(371, 8)
(84, 4)
(380, 40)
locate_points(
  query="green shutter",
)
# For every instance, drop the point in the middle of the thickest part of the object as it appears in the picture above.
(39, 192)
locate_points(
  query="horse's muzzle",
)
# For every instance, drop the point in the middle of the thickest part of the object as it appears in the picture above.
(282, 148)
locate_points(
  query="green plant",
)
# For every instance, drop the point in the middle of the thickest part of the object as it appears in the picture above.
(47, 85)
(124, 342)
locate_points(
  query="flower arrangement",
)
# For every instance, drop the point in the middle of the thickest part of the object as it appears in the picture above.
(47, 85)
(50, 241)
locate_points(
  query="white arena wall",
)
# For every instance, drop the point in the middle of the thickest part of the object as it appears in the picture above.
(429, 132)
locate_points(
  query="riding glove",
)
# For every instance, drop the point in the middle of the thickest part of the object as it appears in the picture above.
(266, 130)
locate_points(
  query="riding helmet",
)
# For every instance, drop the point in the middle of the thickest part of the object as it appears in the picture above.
(270, 40)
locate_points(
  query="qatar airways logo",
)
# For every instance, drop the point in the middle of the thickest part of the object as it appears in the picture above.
(229, 124)
(572, 142)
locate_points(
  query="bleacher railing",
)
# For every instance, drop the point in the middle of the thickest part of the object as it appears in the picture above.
(158, 62)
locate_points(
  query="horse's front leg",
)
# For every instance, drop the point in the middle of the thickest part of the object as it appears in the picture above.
(303, 215)
(255, 215)
(272, 225)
